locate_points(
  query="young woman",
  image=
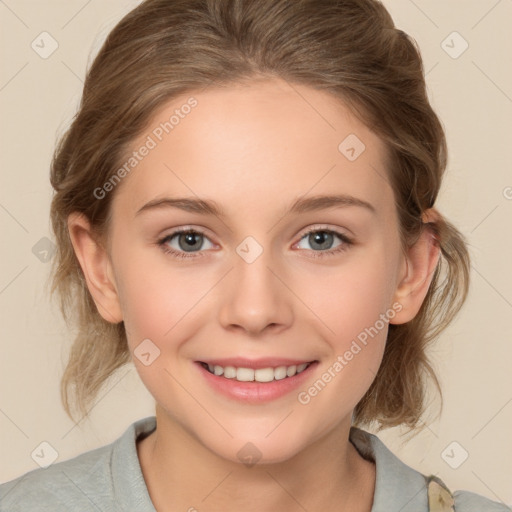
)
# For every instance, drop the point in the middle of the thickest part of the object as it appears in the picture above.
(245, 208)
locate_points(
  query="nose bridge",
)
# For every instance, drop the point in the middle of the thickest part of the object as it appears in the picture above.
(256, 297)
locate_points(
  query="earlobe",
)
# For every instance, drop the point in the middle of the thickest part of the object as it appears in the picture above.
(96, 267)
(420, 264)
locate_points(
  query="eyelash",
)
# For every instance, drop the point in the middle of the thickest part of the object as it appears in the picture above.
(346, 243)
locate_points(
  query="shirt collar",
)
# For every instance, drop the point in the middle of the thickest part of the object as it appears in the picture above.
(130, 491)
(397, 487)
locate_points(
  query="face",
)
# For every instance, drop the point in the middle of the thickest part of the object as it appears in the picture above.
(268, 275)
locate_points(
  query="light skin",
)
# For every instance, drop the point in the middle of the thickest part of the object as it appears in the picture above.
(255, 150)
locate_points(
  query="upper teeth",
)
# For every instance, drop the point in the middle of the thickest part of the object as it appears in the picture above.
(259, 375)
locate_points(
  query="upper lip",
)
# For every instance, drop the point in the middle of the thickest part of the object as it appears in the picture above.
(265, 362)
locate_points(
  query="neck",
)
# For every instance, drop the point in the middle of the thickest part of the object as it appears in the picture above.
(183, 474)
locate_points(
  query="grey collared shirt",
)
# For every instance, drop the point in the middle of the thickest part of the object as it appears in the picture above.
(109, 479)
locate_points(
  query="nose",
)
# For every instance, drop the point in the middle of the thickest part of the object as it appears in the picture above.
(255, 298)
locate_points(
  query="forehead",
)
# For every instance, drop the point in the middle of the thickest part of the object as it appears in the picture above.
(255, 142)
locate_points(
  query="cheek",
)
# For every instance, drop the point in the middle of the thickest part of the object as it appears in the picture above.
(354, 304)
(159, 299)
(354, 307)
(160, 307)
(352, 297)
(156, 298)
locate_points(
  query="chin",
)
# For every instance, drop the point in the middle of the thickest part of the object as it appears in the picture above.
(257, 449)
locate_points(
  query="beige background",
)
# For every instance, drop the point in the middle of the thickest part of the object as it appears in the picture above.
(473, 96)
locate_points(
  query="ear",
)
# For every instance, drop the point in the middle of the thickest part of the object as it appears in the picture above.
(420, 263)
(96, 267)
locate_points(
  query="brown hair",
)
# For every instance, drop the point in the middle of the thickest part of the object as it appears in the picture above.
(348, 48)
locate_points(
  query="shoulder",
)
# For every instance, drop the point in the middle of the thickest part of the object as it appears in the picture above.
(441, 499)
(466, 501)
(400, 487)
(106, 478)
(64, 484)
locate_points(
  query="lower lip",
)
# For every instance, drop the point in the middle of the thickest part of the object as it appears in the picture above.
(256, 392)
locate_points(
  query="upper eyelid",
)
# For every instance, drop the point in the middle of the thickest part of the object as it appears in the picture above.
(338, 231)
(184, 229)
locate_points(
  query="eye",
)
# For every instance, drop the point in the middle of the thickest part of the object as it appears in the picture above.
(184, 243)
(189, 243)
(321, 241)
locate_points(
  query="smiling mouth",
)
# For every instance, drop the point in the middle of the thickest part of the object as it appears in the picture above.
(269, 374)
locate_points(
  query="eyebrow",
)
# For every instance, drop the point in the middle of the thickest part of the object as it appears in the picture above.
(301, 205)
